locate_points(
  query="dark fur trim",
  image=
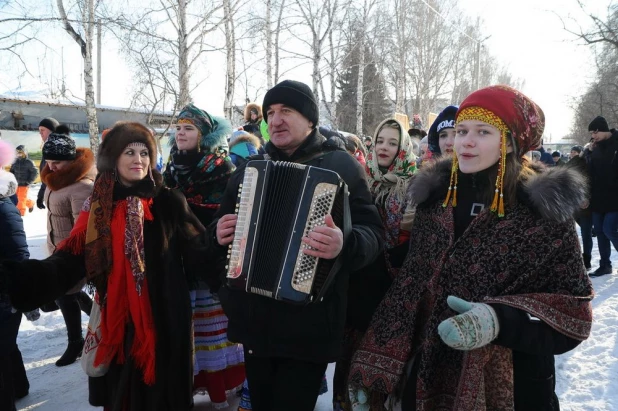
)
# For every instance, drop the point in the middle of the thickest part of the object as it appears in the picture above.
(247, 138)
(80, 168)
(555, 193)
(248, 111)
(431, 180)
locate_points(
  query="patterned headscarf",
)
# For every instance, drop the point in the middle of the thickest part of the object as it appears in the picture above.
(389, 188)
(201, 175)
(515, 115)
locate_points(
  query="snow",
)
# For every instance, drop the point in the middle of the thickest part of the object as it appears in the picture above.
(587, 377)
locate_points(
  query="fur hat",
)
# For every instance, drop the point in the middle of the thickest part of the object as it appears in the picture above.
(577, 149)
(119, 137)
(213, 130)
(253, 108)
(49, 123)
(446, 119)
(7, 154)
(296, 95)
(598, 124)
(59, 147)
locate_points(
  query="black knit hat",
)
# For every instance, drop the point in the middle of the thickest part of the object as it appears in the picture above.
(49, 123)
(21, 149)
(598, 124)
(446, 119)
(118, 138)
(59, 147)
(293, 94)
(556, 154)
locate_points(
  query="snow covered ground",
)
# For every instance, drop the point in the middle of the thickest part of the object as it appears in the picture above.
(587, 376)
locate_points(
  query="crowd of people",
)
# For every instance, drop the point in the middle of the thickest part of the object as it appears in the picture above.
(461, 278)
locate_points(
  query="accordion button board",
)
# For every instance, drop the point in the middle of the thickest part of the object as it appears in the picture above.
(279, 203)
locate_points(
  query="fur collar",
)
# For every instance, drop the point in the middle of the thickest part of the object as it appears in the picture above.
(79, 169)
(555, 193)
(248, 108)
(247, 138)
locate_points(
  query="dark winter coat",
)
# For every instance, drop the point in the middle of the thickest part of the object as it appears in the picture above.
(41, 193)
(535, 242)
(13, 247)
(546, 157)
(604, 175)
(25, 171)
(269, 328)
(580, 163)
(170, 261)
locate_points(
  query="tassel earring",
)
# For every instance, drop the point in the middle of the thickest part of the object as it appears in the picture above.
(452, 187)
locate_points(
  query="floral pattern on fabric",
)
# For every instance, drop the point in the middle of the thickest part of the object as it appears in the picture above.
(495, 260)
(388, 188)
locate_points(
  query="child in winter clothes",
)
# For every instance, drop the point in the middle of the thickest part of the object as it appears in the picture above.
(25, 173)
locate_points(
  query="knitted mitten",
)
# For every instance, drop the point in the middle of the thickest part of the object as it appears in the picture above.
(475, 326)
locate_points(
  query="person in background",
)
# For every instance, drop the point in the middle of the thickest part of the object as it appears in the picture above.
(441, 135)
(575, 152)
(69, 175)
(359, 149)
(253, 118)
(368, 141)
(584, 216)
(25, 173)
(546, 156)
(557, 157)
(390, 167)
(423, 148)
(242, 146)
(46, 127)
(493, 286)
(603, 168)
(13, 247)
(200, 168)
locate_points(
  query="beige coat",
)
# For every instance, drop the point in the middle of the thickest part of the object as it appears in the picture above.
(66, 191)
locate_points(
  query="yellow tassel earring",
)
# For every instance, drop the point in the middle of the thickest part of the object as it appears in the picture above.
(452, 187)
(497, 204)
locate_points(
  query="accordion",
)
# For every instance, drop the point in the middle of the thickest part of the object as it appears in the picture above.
(278, 204)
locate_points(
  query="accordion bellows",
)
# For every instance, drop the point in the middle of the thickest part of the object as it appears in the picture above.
(278, 204)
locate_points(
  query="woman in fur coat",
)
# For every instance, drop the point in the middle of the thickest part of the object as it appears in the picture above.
(69, 175)
(199, 168)
(390, 165)
(493, 285)
(139, 246)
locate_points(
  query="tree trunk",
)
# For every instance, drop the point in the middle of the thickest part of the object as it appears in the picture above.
(184, 95)
(276, 45)
(230, 45)
(269, 44)
(316, 64)
(333, 79)
(86, 51)
(359, 86)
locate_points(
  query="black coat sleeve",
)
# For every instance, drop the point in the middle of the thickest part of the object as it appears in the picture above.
(32, 172)
(33, 283)
(13, 245)
(531, 336)
(365, 242)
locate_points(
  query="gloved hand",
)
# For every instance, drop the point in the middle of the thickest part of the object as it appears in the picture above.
(358, 398)
(40, 204)
(475, 326)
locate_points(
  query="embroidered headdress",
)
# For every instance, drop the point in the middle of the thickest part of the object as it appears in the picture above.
(517, 117)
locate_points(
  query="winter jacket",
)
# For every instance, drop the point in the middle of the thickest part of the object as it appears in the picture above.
(171, 259)
(67, 189)
(580, 163)
(13, 247)
(244, 147)
(41, 193)
(25, 171)
(604, 175)
(522, 264)
(546, 157)
(270, 328)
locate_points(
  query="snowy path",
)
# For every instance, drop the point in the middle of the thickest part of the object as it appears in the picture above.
(587, 376)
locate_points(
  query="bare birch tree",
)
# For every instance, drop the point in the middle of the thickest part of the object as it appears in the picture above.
(230, 47)
(85, 44)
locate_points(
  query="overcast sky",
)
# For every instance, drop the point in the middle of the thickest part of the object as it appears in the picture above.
(525, 35)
